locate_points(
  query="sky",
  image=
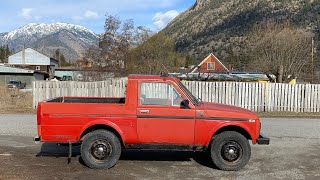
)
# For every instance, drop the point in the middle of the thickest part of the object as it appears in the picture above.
(154, 14)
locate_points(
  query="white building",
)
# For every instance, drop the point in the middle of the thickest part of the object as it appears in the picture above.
(34, 60)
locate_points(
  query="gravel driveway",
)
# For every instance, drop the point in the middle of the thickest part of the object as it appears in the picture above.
(18, 124)
(294, 153)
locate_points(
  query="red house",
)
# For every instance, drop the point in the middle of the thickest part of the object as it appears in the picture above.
(211, 64)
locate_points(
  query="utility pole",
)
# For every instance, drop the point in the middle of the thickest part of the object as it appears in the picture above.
(59, 58)
(312, 60)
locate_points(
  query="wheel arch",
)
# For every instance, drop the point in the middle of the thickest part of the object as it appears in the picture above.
(239, 129)
(102, 127)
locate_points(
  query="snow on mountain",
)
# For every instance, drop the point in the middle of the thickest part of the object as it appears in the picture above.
(41, 30)
(71, 39)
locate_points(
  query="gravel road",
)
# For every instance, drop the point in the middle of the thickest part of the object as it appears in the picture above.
(292, 154)
(25, 125)
(18, 124)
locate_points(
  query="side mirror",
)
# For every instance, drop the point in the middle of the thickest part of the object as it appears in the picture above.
(185, 104)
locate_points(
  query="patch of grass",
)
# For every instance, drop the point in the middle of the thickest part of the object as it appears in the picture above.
(15, 101)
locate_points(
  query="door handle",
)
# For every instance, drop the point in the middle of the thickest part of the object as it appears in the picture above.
(144, 111)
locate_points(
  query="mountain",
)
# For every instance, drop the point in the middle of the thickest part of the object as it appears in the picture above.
(71, 39)
(223, 26)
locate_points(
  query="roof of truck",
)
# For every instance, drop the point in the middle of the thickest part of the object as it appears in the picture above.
(155, 77)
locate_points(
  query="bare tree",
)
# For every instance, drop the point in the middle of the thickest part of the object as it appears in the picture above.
(115, 44)
(142, 34)
(110, 57)
(281, 49)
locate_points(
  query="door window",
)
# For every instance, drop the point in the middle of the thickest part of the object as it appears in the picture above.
(159, 94)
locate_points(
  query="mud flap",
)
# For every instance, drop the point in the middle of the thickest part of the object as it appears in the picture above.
(70, 152)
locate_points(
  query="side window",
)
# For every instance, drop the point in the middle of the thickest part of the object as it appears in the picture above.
(176, 97)
(159, 94)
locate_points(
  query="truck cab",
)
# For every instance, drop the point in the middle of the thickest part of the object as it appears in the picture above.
(158, 112)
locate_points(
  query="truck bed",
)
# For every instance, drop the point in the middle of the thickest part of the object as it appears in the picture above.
(63, 119)
(88, 100)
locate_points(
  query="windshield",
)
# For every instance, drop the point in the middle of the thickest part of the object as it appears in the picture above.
(190, 95)
(13, 82)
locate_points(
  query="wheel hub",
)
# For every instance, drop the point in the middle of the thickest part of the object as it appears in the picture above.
(101, 149)
(231, 151)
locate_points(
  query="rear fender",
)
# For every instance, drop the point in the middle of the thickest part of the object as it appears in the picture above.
(105, 123)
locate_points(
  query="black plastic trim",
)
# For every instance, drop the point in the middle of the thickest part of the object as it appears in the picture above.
(166, 117)
(262, 140)
(173, 147)
(36, 139)
(222, 119)
(188, 117)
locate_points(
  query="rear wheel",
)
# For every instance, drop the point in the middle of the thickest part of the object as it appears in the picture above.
(230, 151)
(100, 149)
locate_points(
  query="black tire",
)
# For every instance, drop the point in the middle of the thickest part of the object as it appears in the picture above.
(230, 151)
(100, 149)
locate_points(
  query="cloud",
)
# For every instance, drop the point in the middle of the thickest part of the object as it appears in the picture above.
(91, 14)
(160, 20)
(87, 15)
(143, 12)
(77, 18)
(26, 12)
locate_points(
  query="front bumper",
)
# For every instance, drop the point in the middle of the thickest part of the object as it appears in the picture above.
(263, 140)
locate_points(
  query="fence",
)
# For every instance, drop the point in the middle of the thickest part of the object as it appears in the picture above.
(259, 97)
(43, 90)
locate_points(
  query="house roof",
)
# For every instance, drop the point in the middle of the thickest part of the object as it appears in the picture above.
(143, 76)
(8, 69)
(224, 77)
(52, 59)
(210, 55)
(70, 68)
(30, 57)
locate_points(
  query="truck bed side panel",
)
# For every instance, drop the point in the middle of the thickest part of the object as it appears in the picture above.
(63, 122)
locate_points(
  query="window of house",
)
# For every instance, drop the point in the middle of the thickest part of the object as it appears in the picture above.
(38, 68)
(210, 66)
(159, 94)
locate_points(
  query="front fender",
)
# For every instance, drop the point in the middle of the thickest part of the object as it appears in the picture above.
(226, 124)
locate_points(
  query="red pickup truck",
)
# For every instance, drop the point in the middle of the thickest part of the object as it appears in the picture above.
(158, 112)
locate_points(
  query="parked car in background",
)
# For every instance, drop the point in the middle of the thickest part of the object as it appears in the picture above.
(16, 85)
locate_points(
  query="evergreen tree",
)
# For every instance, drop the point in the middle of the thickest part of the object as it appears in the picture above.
(4, 53)
(58, 55)
(7, 50)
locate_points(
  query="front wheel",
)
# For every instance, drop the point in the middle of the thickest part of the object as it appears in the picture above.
(100, 149)
(230, 151)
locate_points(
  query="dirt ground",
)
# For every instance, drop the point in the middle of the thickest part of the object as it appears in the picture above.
(294, 159)
(15, 101)
(292, 154)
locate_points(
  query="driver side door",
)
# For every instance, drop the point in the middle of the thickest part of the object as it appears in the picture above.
(160, 119)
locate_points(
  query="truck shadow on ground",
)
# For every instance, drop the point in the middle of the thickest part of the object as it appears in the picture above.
(62, 151)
